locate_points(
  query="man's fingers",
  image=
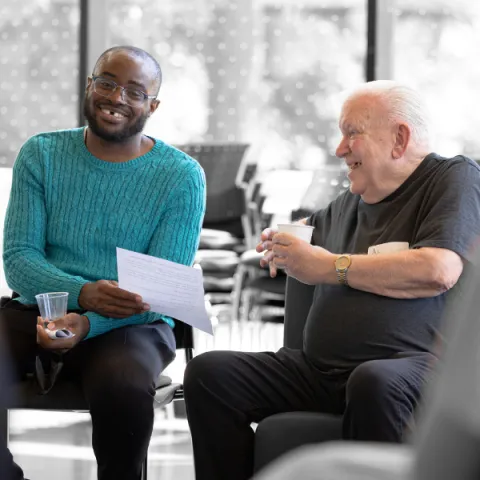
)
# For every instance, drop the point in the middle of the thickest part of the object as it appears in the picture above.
(264, 246)
(127, 298)
(279, 262)
(122, 312)
(268, 233)
(283, 239)
(266, 259)
(123, 304)
(279, 250)
(273, 270)
(265, 235)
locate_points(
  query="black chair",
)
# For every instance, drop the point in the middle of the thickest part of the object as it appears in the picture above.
(222, 236)
(225, 199)
(283, 432)
(67, 396)
(255, 295)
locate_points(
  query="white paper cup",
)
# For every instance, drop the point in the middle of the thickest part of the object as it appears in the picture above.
(304, 232)
(52, 305)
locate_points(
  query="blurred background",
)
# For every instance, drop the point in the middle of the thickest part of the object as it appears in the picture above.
(251, 89)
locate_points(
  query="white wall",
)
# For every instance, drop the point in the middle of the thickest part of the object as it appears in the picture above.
(5, 183)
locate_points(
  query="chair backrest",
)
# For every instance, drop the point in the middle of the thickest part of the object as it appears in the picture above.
(225, 201)
(298, 300)
(183, 334)
(184, 338)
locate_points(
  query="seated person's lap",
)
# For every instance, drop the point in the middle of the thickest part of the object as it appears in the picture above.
(120, 354)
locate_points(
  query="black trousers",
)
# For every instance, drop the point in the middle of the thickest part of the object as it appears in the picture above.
(117, 373)
(8, 469)
(226, 391)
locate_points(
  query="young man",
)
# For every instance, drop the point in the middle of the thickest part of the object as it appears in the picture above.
(76, 196)
(384, 258)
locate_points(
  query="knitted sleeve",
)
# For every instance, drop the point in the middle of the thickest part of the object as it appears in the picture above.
(26, 269)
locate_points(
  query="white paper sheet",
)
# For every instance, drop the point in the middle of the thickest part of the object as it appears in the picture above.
(169, 288)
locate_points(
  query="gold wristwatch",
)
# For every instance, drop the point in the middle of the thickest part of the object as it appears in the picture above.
(342, 264)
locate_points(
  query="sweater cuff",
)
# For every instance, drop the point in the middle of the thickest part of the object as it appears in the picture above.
(73, 294)
(99, 324)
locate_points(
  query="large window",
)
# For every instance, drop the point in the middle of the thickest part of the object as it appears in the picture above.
(38, 80)
(39, 70)
(260, 71)
(435, 48)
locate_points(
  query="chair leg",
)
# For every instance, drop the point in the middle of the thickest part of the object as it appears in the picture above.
(145, 468)
(239, 279)
(4, 425)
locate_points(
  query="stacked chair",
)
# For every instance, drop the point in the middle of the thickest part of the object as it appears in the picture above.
(256, 296)
(222, 236)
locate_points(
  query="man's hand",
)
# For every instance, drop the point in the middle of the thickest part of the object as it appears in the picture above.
(265, 245)
(107, 299)
(77, 324)
(307, 263)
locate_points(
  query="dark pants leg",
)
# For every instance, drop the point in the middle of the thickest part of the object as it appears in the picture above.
(17, 354)
(226, 391)
(382, 395)
(117, 372)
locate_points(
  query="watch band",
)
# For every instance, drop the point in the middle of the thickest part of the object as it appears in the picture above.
(342, 264)
(342, 277)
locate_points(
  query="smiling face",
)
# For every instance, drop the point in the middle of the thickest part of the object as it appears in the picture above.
(111, 118)
(367, 145)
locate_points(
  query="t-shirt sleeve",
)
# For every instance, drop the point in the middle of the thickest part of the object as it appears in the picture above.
(332, 214)
(320, 220)
(451, 217)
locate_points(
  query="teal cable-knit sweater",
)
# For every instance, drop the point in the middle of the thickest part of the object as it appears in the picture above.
(68, 211)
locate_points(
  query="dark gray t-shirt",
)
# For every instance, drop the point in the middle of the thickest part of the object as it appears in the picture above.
(437, 206)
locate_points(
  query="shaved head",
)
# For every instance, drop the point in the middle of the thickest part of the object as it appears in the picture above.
(149, 61)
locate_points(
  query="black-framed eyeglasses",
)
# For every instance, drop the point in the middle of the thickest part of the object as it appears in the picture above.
(131, 96)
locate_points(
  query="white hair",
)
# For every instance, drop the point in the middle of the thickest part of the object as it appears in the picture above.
(403, 104)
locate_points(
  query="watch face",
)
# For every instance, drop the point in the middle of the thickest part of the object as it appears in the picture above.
(343, 262)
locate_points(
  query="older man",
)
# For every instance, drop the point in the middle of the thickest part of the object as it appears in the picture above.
(445, 445)
(385, 257)
(76, 196)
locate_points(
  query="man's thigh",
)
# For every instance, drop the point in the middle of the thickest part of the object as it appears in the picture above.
(402, 376)
(128, 356)
(18, 325)
(260, 384)
(407, 369)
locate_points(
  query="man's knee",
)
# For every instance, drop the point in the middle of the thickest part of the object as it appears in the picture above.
(206, 370)
(120, 389)
(369, 382)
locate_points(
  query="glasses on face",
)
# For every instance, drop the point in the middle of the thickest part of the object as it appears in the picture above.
(130, 95)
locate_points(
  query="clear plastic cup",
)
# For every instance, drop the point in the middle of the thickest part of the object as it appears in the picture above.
(304, 232)
(52, 305)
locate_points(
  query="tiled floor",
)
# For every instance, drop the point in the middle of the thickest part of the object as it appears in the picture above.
(60, 448)
(56, 445)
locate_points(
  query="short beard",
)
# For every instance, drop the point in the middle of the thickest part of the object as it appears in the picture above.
(117, 137)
